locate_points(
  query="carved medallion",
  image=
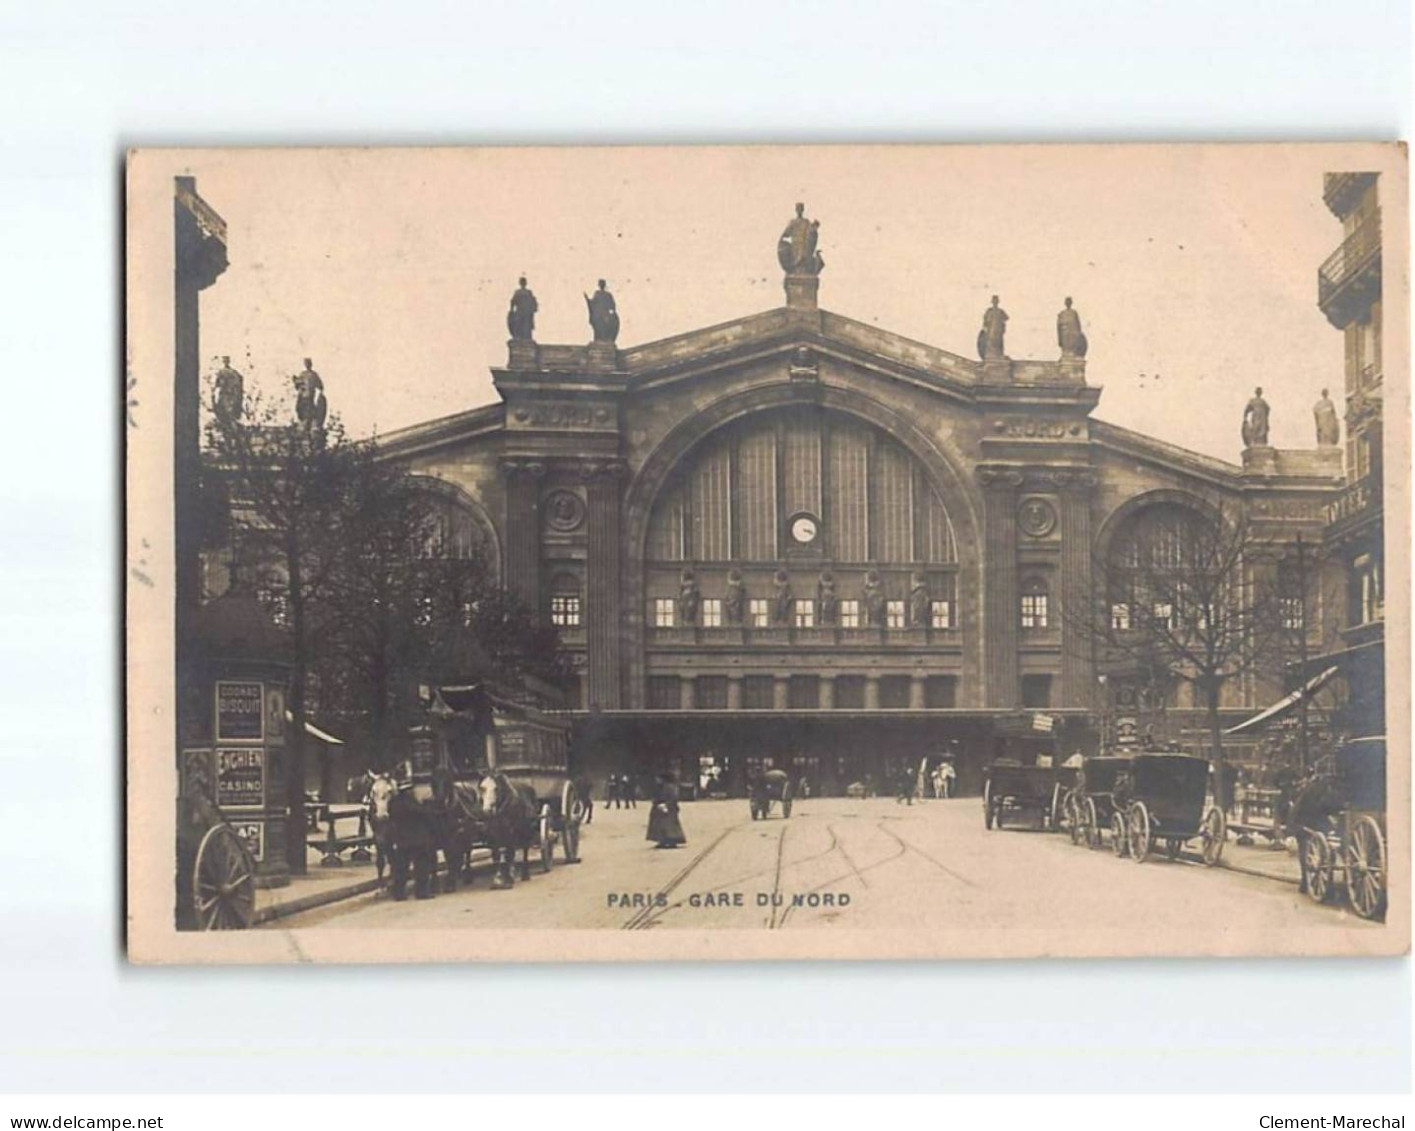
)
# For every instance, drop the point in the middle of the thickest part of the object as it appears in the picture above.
(564, 511)
(1036, 517)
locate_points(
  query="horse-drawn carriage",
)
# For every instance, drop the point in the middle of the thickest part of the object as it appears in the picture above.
(1098, 801)
(1340, 821)
(483, 773)
(1010, 788)
(772, 786)
(215, 871)
(1169, 802)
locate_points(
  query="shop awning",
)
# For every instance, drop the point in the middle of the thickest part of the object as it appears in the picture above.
(314, 731)
(1285, 704)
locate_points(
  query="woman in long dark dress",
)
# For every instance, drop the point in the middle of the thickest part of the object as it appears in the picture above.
(664, 827)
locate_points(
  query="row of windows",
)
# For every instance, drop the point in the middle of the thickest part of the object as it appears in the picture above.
(803, 692)
(664, 613)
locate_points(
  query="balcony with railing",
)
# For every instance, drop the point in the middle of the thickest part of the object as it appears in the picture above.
(1351, 275)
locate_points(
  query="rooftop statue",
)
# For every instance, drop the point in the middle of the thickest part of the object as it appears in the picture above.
(990, 337)
(311, 407)
(1255, 421)
(521, 318)
(1069, 335)
(797, 249)
(1328, 426)
(604, 316)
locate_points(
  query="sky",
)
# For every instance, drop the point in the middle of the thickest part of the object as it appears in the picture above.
(1193, 267)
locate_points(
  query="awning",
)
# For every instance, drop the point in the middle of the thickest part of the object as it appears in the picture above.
(1285, 704)
(314, 731)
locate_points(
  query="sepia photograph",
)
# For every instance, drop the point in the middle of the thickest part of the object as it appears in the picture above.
(773, 552)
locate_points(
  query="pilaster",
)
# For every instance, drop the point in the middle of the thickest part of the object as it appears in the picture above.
(604, 619)
(522, 528)
(1000, 608)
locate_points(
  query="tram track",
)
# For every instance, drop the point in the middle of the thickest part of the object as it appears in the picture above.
(646, 916)
(942, 867)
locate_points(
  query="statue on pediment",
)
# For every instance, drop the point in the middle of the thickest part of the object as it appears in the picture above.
(521, 318)
(797, 251)
(1255, 421)
(604, 315)
(1069, 335)
(311, 407)
(990, 337)
(230, 392)
(1328, 426)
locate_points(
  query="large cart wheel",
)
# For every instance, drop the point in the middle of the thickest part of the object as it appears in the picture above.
(1140, 839)
(547, 836)
(987, 803)
(223, 882)
(572, 813)
(1119, 835)
(1366, 868)
(1214, 833)
(1317, 866)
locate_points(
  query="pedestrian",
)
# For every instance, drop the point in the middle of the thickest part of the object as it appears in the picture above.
(665, 829)
(948, 778)
(905, 791)
(629, 783)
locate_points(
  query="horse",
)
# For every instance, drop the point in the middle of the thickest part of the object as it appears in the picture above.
(512, 817)
(377, 795)
(457, 821)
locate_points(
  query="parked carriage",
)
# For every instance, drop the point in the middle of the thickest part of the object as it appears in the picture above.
(1169, 804)
(1340, 819)
(1102, 792)
(215, 871)
(1010, 788)
(772, 786)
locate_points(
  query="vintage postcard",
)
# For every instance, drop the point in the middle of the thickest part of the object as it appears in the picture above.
(775, 552)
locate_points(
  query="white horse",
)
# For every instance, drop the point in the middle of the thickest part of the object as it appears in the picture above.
(381, 790)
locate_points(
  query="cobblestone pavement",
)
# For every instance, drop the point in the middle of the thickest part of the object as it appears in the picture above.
(871, 864)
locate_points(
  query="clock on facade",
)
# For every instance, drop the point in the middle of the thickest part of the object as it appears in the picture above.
(804, 529)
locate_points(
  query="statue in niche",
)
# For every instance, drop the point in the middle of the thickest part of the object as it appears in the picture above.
(781, 603)
(734, 604)
(689, 598)
(521, 318)
(919, 601)
(874, 599)
(826, 598)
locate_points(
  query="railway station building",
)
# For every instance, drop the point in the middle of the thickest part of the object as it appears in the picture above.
(801, 539)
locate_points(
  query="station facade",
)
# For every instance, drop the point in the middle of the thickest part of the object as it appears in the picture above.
(800, 539)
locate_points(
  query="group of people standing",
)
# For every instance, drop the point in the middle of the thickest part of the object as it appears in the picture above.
(921, 782)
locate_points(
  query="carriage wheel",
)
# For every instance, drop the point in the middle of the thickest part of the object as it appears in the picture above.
(1214, 833)
(1366, 868)
(1054, 814)
(1073, 818)
(1092, 822)
(223, 882)
(987, 803)
(1119, 837)
(572, 809)
(1140, 839)
(786, 807)
(1317, 866)
(547, 836)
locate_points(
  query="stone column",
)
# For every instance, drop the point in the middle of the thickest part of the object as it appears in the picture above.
(827, 700)
(781, 693)
(734, 692)
(1001, 615)
(872, 693)
(522, 529)
(1078, 681)
(918, 698)
(604, 620)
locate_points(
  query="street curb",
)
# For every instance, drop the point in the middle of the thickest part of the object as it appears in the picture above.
(314, 899)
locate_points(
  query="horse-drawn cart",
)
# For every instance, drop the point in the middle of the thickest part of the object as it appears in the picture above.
(1099, 802)
(772, 786)
(1340, 818)
(1010, 788)
(1169, 803)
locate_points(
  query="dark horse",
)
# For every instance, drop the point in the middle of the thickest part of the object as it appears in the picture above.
(456, 826)
(512, 820)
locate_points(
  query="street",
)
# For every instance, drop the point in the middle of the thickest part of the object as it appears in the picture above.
(856, 864)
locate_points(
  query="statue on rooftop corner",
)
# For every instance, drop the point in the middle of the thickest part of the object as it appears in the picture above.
(797, 249)
(521, 318)
(990, 337)
(230, 392)
(311, 407)
(604, 316)
(1328, 426)
(1069, 335)
(1255, 421)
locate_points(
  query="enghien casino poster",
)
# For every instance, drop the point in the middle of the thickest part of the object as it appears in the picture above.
(792, 552)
